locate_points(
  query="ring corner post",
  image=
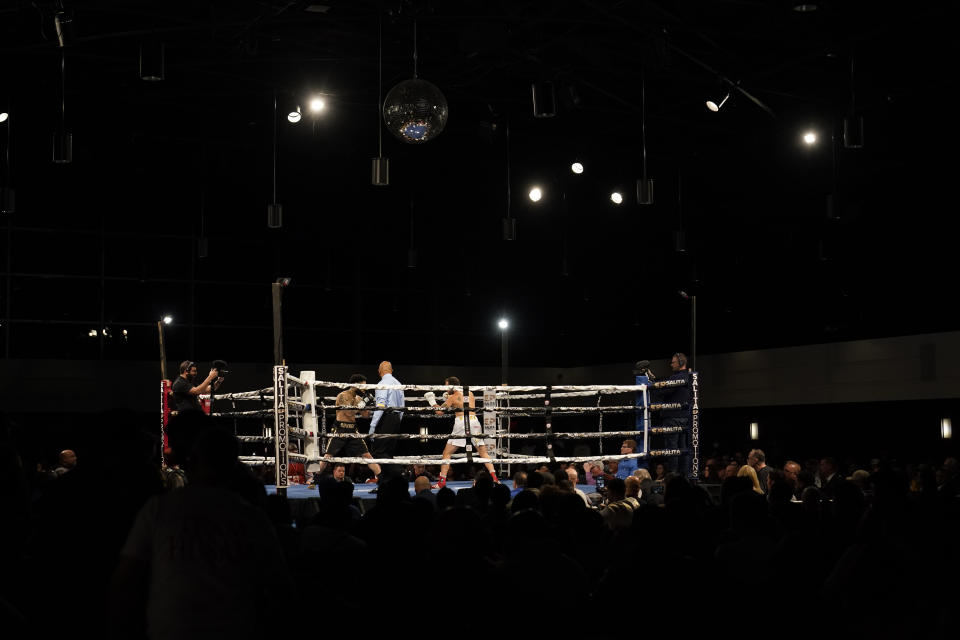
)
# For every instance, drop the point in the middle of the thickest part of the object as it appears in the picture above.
(280, 427)
(695, 425)
(643, 417)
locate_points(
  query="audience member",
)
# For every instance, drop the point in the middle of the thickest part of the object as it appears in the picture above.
(758, 460)
(746, 471)
(68, 460)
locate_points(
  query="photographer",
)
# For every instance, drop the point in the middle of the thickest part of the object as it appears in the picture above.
(186, 392)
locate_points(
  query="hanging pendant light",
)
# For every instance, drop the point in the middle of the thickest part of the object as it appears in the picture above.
(62, 139)
(275, 209)
(644, 184)
(380, 166)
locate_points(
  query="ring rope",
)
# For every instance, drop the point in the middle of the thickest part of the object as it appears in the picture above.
(605, 388)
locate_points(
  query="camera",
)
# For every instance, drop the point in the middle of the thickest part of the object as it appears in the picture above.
(220, 366)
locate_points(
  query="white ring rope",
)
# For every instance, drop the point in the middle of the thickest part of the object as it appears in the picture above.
(603, 388)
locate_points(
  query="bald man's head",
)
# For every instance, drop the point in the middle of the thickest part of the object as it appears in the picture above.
(385, 367)
(68, 459)
(420, 483)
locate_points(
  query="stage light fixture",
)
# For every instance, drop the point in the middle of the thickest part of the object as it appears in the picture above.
(295, 116)
(3, 116)
(503, 323)
(536, 194)
(616, 197)
(946, 428)
(544, 100)
(713, 106)
(577, 168)
(167, 319)
(810, 138)
(754, 431)
(317, 105)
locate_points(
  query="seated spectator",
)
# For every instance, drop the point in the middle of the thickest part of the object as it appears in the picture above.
(746, 471)
(340, 473)
(790, 471)
(519, 483)
(417, 470)
(592, 470)
(534, 482)
(572, 476)
(422, 491)
(659, 472)
(68, 460)
(618, 512)
(830, 477)
(730, 471)
(173, 476)
(650, 492)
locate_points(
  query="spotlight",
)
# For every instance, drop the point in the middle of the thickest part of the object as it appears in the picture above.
(946, 428)
(63, 22)
(317, 105)
(616, 197)
(504, 323)
(167, 319)
(536, 194)
(295, 115)
(713, 106)
(92, 333)
(3, 116)
(810, 137)
(754, 431)
(577, 168)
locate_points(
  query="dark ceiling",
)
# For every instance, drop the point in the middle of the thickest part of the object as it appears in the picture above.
(164, 207)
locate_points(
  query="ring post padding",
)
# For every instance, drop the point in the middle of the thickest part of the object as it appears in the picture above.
(643, 417)
(695, 425)
(311, 447)
(548, 410)
(280, 424)
(466, 424)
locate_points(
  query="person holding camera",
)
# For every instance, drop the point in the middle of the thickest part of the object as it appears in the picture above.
(186, 392)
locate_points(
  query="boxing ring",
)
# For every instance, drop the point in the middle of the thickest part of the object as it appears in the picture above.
(296, 427)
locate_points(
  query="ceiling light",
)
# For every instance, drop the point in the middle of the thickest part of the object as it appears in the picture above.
(3, 116)
(577, 168)
(810, 137)
(616, 197)
(167, 319)
(504, 323)
(317, 105)
(536, 194)
(713, 106)
(295, 115)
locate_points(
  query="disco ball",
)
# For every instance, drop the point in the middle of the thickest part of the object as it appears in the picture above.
(415, 111)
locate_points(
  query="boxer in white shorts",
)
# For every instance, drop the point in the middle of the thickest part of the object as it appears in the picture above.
(454, 399)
